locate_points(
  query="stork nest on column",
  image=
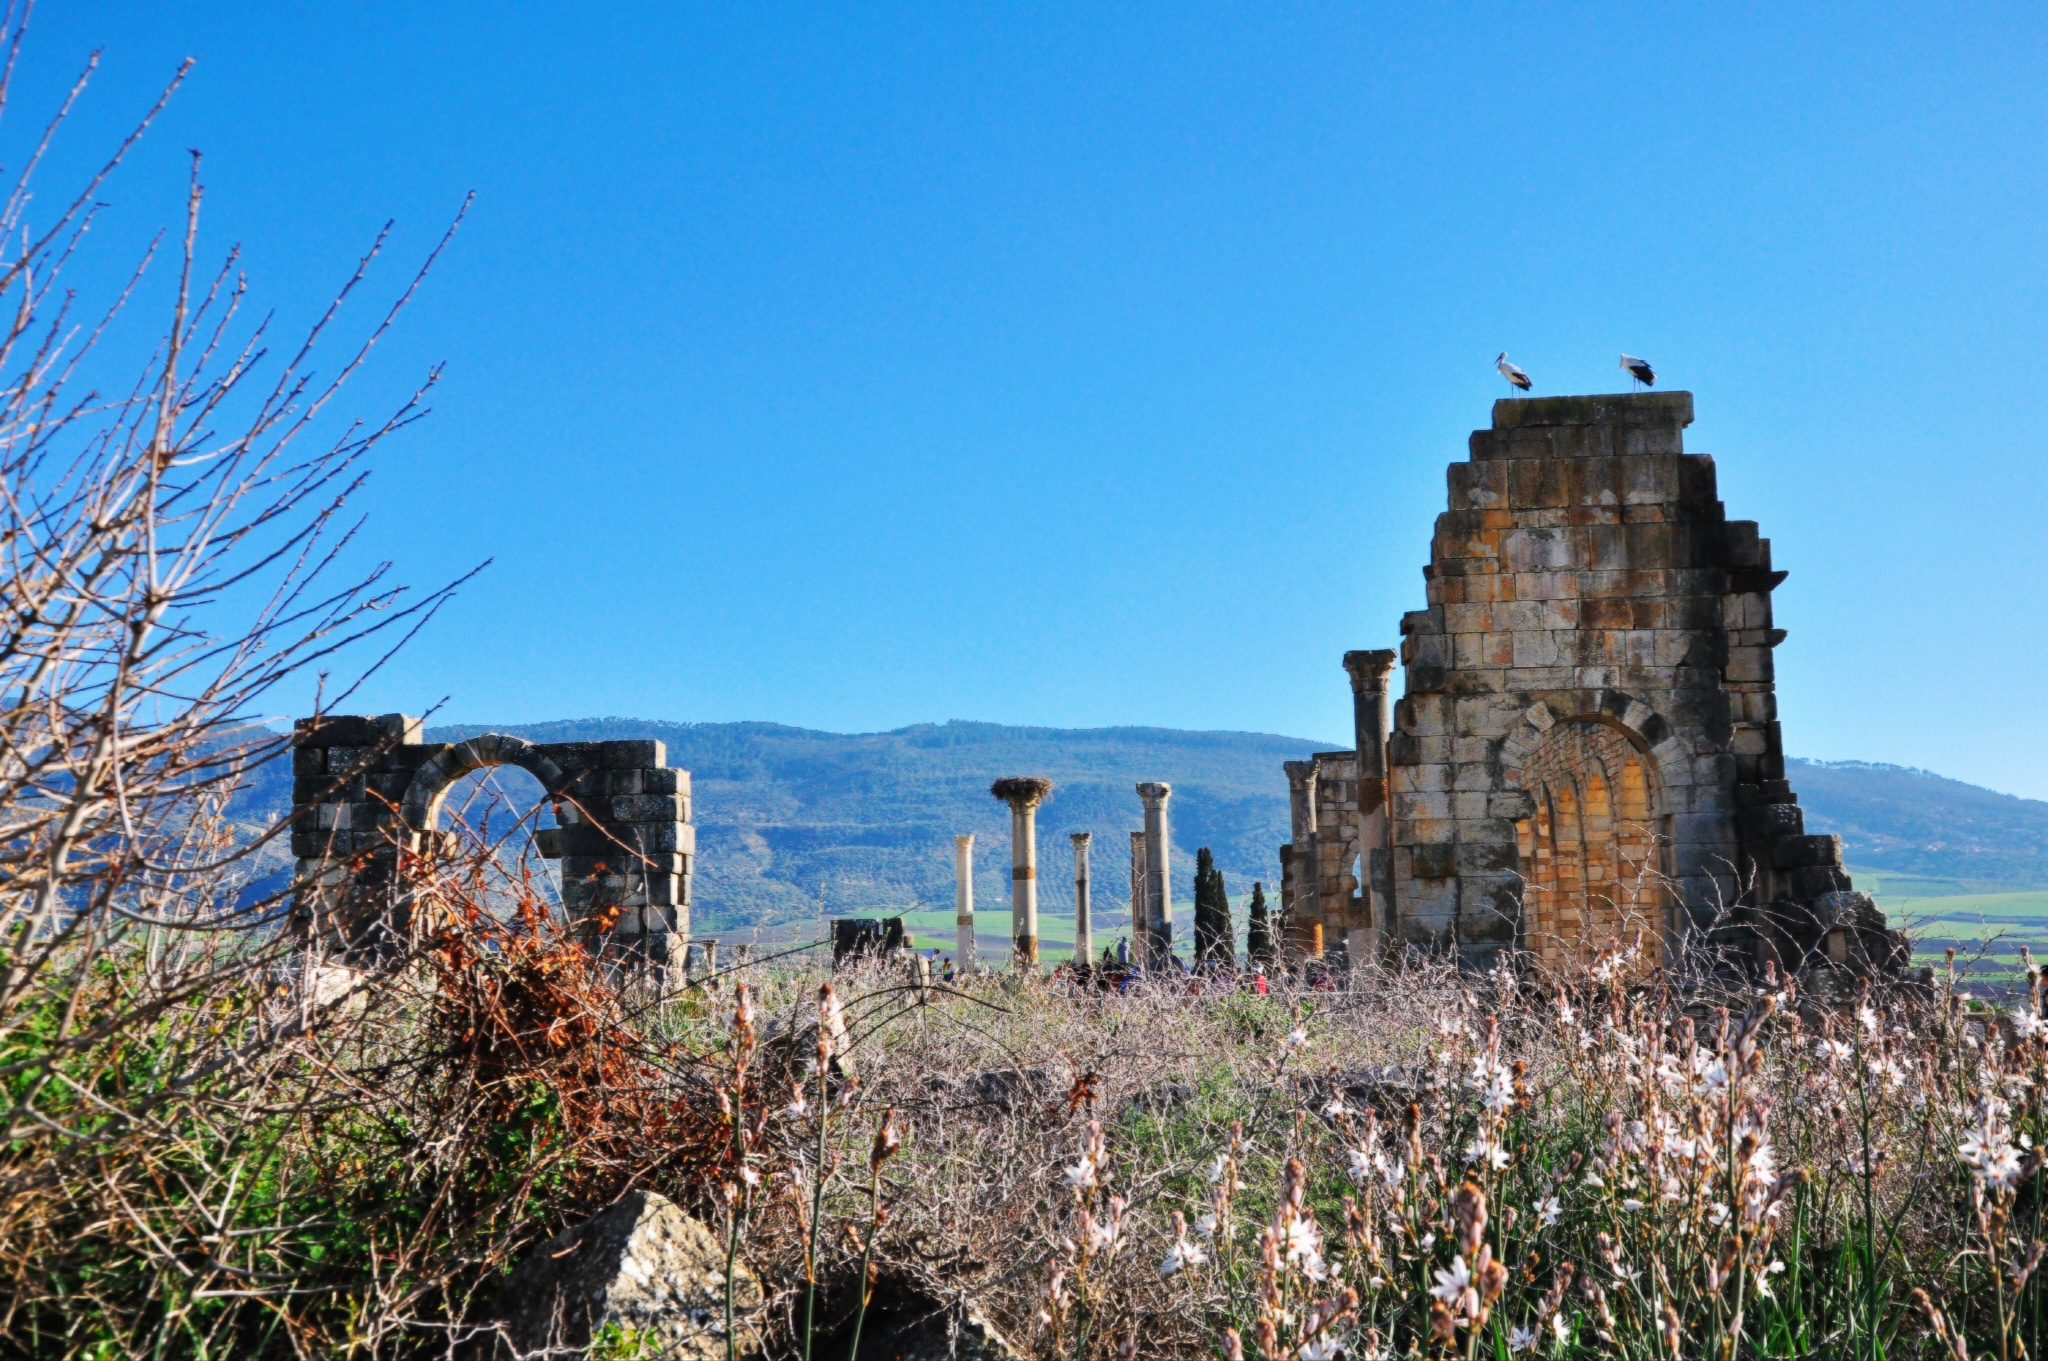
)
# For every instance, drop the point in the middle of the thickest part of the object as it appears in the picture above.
(1022, 791)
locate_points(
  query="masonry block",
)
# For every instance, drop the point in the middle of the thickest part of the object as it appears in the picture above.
(1799, 852)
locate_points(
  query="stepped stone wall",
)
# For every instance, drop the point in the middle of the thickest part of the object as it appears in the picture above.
(1587, 746)
(368, 791)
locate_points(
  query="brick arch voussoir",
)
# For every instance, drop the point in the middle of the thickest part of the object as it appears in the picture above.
(1646, 730)
(430, 784)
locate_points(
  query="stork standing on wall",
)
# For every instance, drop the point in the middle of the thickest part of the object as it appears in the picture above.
(1640, 370)
(1512, 372)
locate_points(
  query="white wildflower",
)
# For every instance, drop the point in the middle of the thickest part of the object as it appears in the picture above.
(1713, 1077)
(1486, 1150)
(1521, 1339)
(1102, 1236)
(1549, 1211)
(1302, 1246)
(1451, 1285)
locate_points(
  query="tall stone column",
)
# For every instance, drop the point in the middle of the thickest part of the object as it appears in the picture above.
(1305, 908)
(1141, 912)
(963, 902)
(1372, 719)
(1158, 887)
(1084, 942)
(1023, 794)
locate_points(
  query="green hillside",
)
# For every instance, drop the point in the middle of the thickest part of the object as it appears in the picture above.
(785, 815)
(1916, 833)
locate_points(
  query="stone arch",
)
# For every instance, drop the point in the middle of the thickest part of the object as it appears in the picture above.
(430, 784)
(1586, 843)
(367, 791)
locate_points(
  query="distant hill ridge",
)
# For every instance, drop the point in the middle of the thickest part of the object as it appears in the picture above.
(1923, 831)
(785, 814)
(867, 820)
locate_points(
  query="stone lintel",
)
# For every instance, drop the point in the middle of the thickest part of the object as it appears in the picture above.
(1616, 408)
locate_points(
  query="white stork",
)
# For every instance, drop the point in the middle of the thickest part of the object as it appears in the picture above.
(1640, 370)
(1512, 372)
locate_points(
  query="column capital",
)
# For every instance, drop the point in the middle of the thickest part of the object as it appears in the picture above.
(1369, 669)
(1021, 792)
(964, 841)
(1080, 838)
(1152, 791)
(1300, 774)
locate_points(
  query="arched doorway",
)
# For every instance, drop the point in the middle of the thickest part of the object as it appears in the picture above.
(1586, 849)
(502, 808)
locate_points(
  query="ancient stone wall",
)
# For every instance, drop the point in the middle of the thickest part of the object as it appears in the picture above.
(367, 791)
(1587, 746)
(1321, 882)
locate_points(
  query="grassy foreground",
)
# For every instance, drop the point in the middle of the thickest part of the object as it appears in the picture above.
(1424, 1163)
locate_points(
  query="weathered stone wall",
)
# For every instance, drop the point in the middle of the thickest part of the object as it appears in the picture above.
(1589, 708)
(368, 790)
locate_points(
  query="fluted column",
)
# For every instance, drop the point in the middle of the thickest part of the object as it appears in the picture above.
(963, 902)
(1023, 795)
(1158, 887)
(1373, 916)
(1084, 943)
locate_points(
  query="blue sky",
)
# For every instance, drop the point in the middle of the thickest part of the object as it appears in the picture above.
(852, 366)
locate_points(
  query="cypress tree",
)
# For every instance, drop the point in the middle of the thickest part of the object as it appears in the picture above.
(1213, 937)
(1258, 943)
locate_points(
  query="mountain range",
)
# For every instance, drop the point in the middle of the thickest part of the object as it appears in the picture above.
(794, 823)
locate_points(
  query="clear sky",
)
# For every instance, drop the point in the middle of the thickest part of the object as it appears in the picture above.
(854, 366)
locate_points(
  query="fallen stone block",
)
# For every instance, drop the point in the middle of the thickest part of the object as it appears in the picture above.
(640, 1266)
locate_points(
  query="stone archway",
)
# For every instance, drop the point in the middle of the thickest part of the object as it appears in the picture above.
(1587, 845)
(368, 791)
(432, 781)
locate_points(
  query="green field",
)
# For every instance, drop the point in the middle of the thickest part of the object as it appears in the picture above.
(1986, 929)
(933, 930)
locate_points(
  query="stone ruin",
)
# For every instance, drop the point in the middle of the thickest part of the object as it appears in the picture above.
(367, 792)
(1587, 746)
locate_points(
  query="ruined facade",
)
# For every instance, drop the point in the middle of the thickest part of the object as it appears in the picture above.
(368, 791)
(1587, 745)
